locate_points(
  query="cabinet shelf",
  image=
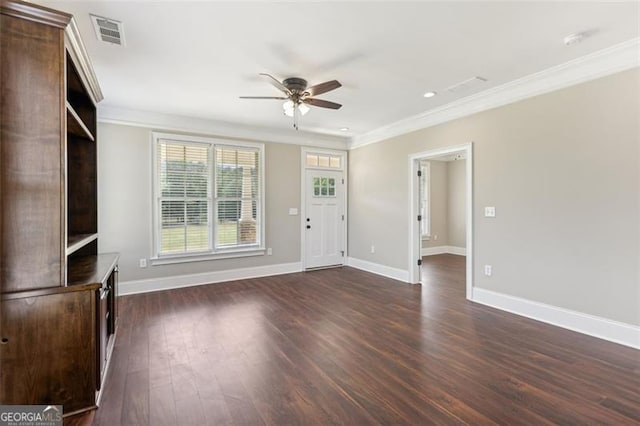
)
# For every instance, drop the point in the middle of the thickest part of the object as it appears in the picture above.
(77, 241)
(93, 269)
(76, 126)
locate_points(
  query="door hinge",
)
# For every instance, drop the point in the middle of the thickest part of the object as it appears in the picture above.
(419, 173)
(419, 217)
(343, 181)
(342, 252)
(419, 262)
(343, 218)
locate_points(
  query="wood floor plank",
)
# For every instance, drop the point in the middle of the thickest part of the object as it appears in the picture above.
(342, 346)
(135, 405)
(162, 406)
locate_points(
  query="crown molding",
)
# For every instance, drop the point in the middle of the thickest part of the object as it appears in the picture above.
(608, 61)
(80, 56)
(35, 13)
(161, 121)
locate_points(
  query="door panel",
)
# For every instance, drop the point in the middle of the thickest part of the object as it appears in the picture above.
(324, 221)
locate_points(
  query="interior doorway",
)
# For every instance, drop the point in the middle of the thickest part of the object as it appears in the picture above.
(440, 176)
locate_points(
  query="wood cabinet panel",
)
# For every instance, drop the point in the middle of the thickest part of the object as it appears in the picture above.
(32, 151)
(45, 367)
(82, 187)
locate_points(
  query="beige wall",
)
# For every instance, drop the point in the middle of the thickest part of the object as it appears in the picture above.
(562, 170)
(447, 207)
(125, 192)
(456, 203)
(439, 205)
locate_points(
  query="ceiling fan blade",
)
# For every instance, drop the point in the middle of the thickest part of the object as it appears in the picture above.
(322, 104)
(277, 84)
(325, 87)
(262, 97)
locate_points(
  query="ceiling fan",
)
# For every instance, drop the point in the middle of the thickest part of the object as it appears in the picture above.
(298, 95)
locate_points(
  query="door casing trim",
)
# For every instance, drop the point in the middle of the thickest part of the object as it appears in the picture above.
(303, 197)
(414, 231)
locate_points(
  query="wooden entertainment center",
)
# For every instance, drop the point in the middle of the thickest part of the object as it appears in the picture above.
(58, 314)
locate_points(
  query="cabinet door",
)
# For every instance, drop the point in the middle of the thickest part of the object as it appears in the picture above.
(49, 356)
(113, 302)
(103, 326)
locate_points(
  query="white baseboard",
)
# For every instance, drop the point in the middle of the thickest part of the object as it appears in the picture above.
(376, 268)
(166, 283)
(430, 251)
(613, 331)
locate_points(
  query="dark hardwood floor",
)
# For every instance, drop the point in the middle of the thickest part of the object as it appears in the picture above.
(342, 346)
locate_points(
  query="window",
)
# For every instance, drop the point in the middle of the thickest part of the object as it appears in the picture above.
(324, 187)
(324, 161)
(425, 195)
(208, 197)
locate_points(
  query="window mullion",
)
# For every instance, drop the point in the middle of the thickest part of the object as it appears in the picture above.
(213, 194)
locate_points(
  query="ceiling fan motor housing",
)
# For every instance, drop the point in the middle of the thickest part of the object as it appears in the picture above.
(295, 84)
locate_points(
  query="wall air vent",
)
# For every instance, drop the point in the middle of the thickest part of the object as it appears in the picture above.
(466, 85)
(108, 30)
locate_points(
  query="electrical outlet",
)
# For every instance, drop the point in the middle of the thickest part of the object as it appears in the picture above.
(373, 249)
(435, 237)
(143, 263)
(488, 270)
(269, 251)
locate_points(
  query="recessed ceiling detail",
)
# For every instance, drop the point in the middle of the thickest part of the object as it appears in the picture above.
(574, 38)
(108, 30)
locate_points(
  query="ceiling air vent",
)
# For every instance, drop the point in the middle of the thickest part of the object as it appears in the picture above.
(466, 85)
(108, 30)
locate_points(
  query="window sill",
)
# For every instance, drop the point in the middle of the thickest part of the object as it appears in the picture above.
(227, 254)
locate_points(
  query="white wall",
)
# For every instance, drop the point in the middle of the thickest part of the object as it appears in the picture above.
(125, 217)
(562, 170)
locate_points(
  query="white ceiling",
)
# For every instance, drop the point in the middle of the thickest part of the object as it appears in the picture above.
(195, 58)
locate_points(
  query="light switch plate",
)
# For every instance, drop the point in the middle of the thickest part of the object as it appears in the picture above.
(489, 212)
(293, 211)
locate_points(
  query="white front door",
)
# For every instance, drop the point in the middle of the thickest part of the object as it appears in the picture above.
(324, 221)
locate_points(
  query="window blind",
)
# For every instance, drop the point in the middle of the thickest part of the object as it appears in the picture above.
(237, 199)
(185, 197)
(209, 198)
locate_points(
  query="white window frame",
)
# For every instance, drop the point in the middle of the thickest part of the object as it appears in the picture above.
(213, 253)
(425, 168)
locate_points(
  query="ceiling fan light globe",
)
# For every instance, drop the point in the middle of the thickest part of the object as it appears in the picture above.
(303, 109)
(288, 108)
